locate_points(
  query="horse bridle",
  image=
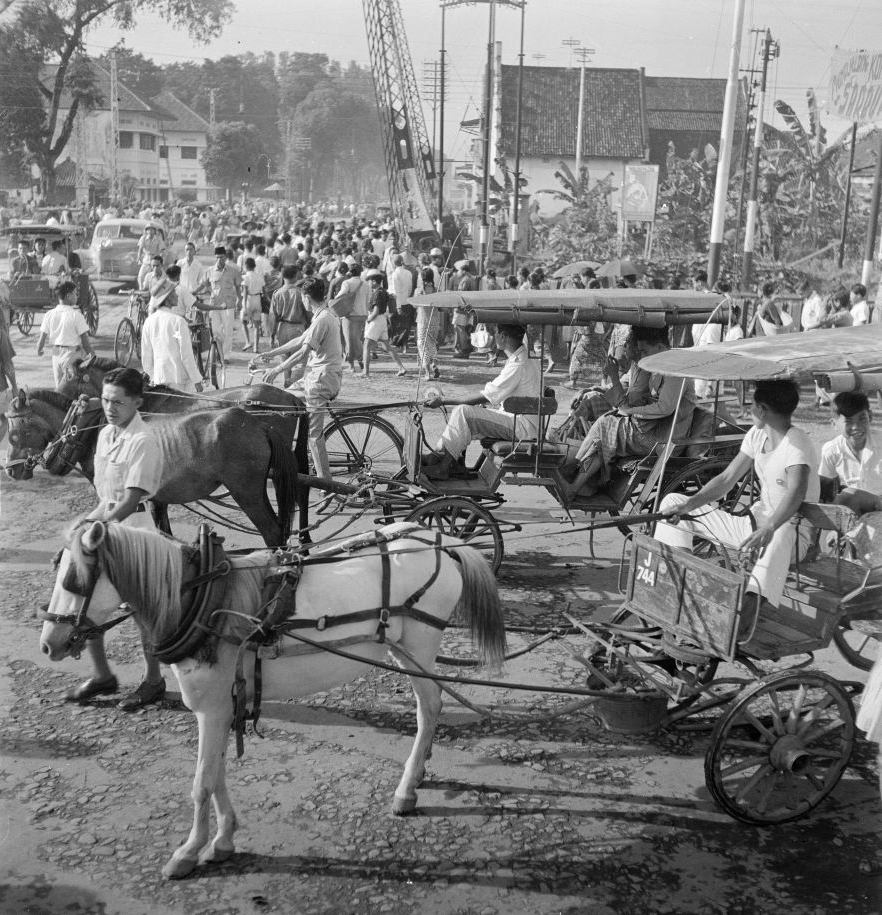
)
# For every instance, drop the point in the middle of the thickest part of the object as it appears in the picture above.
(83, 628)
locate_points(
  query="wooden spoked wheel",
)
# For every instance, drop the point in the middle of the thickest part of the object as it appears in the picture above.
(25, 320)
(466, 519)
(781, 747)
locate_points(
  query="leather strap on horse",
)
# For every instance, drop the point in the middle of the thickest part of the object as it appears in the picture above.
(193, 630)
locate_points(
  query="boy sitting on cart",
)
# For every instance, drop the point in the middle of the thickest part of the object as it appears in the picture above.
(784, 460)
(852, 462)
(520, 377)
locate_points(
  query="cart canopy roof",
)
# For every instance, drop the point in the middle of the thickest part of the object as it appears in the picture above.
(641, 307)
(800, 356)
(44, 231)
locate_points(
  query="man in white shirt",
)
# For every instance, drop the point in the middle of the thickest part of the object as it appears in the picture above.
(852, 462)
(469, 420)
(225, 283)
(65, 328)
(400, 282)
(166, 349)
(54, 264)
(192, 272)
(860, 308)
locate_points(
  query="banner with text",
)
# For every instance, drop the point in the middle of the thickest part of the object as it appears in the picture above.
(856, 85)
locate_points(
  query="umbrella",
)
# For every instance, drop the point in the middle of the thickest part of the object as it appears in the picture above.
(274, 188)
(575, 267)
(620, 267)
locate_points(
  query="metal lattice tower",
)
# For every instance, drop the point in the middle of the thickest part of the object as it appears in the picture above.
(410, 164)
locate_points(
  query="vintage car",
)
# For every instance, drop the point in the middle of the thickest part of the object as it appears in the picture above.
(113, 254)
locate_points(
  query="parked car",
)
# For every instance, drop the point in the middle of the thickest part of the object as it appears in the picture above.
(113, 254)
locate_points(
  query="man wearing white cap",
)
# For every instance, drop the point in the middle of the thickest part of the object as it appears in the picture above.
(166, 349)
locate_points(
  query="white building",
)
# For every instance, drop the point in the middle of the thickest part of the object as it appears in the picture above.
(161, 143)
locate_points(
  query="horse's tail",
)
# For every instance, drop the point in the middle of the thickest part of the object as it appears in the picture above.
(480, 605)
(301, 458)
(283, 469)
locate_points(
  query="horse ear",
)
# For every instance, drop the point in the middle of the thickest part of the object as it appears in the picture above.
(93, 536)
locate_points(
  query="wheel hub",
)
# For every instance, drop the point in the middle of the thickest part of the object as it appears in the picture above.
(790, 755)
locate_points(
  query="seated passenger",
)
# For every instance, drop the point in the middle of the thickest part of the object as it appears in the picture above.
(635, 426)
(469, 420)
(785, 463)
(852, 462)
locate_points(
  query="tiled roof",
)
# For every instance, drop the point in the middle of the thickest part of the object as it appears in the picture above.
(176, 115)
(687, 104)
(128, 101)
(612, 121)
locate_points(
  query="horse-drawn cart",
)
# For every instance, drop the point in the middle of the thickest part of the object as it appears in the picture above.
(32, 292)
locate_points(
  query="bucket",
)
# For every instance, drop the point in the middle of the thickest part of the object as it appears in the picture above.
(632, 713)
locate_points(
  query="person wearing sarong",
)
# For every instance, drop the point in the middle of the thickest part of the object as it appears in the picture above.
(428, 328)
(632, 430)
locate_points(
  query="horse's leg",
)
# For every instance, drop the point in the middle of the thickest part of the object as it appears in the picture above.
(222, 846)
(428, 708)
(214, 729)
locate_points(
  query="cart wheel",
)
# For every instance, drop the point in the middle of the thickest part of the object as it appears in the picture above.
(214, 364)
(124, 343)
(781, 747)
(466, 519)
(90, 312)
(25, 320)
(363, 442)
(858, 648)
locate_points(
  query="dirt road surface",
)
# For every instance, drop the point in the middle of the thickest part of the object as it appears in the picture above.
(546, 815)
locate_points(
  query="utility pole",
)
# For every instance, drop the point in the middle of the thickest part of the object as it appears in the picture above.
(844, 231)
(287, 161)
(771, 49)
(516, 197)
(583, 54)
(115, 192)
(485, 242)
(873, 221)
(718, 222)
(442, 63)
(211, 108)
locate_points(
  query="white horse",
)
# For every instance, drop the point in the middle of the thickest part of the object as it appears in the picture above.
(105, 565)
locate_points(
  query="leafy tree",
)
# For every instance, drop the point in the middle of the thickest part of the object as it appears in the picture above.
(44, 32)
(235, 155)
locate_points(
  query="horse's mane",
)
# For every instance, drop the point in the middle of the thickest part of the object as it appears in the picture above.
(144, 567)
(50, 398)
(162, 389)
(104, 364)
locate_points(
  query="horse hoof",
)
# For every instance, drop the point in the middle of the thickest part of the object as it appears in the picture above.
(178, 868)
(403, 806)
(215, 855)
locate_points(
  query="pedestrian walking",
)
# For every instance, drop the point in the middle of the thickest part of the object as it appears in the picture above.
(377, 326)
(166, 348)
(66, 331)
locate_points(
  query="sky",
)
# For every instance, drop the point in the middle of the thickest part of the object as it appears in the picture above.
(666, 37)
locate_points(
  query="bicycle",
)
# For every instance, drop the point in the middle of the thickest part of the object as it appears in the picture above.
(127, 340)
(206, 349)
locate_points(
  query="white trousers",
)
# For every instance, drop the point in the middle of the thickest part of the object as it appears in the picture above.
(467, 423)
(222, 327)
(770, 572)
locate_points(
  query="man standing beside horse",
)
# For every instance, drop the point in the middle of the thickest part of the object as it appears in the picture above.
(128, 470)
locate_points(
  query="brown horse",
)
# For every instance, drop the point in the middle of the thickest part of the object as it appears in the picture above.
(201, 452)
(85, 377)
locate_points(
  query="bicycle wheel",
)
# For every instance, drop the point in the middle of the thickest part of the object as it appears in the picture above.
(466, 519)
(25, 320)
(363, 442)
(197, 355)
(90, 311)
(216, 370)
(124, 343)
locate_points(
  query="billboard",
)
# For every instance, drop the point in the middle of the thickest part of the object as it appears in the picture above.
(639, 193)
(856, 86)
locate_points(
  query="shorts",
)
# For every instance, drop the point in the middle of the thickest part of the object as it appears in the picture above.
(377, 330)
(252, 311)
